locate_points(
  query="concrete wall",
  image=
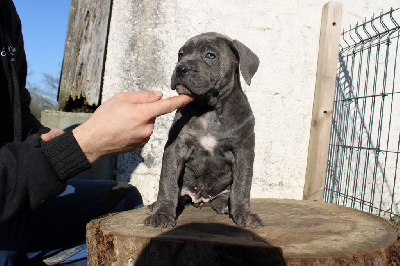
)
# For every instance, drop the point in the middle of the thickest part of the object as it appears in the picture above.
(142, 50)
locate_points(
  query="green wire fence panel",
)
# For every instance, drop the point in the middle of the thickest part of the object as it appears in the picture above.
(363, 163)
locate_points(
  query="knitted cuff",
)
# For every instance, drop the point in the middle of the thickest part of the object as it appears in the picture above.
(65, 155)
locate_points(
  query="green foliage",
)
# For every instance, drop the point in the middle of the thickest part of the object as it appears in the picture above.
(395, 220)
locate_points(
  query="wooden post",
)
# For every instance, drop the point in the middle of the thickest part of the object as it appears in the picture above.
(323, 101)
(85, 49)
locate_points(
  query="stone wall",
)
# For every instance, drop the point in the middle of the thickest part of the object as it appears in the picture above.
(143, 42)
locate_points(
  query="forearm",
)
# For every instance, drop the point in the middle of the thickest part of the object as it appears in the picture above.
(34, 171)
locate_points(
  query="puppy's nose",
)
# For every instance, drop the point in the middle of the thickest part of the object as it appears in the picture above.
(182, 70)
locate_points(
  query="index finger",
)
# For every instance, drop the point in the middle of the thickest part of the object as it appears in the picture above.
(167, 105)
(142, 96)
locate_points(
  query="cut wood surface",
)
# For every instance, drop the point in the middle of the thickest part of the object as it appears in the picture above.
(295, 233)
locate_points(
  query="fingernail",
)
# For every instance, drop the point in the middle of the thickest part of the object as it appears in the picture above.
(158, 93)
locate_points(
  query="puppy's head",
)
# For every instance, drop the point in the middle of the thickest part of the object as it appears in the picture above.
(208, 66)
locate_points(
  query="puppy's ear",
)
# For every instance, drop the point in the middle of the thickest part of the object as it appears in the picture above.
(248, 61)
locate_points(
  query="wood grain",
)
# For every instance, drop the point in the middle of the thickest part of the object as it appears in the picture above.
(321, 120)
(295, 233)
(84, 54)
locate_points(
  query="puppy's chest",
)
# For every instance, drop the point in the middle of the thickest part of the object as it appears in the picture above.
(207, 133)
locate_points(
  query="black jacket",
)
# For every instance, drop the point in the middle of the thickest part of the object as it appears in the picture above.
(31, 170)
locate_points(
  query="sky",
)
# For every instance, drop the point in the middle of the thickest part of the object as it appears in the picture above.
(44, 27)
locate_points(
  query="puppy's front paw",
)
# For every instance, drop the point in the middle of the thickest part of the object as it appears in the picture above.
(247, 219)
(151, 206)
(160, 219)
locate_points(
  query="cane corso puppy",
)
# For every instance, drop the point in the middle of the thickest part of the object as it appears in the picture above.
(209, 154)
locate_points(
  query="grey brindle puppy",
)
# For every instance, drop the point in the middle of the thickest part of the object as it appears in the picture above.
(209, 154)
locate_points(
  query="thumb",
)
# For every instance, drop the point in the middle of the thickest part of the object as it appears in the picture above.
(52, 134)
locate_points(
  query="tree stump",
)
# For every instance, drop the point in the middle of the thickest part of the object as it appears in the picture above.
(295, 233)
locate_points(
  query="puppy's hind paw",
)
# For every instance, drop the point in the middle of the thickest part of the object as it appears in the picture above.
(248, 219)
(160, 219)
(220, 206)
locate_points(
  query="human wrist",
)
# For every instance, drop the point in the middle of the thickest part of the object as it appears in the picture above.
(65, 155)
(87, 144)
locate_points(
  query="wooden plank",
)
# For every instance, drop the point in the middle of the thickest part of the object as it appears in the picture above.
(84, 55)
(323, 101)
(296, 232)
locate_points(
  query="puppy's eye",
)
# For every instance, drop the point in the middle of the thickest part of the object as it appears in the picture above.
(180, 55)
(210, 56)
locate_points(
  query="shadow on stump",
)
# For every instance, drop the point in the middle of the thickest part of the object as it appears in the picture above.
(219, 245)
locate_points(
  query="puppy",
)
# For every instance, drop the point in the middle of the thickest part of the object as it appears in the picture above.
(209, 154)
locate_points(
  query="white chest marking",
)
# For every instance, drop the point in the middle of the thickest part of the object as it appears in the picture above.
(208, 142)
(204, 122)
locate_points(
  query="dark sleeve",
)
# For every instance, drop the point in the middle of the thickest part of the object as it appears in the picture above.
(33, 171)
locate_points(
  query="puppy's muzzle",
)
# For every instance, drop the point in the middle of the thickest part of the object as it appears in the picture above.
(181, 73)
(182, 70)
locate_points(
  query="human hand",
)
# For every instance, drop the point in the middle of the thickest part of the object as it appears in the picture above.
(124, 123)
(54, 132)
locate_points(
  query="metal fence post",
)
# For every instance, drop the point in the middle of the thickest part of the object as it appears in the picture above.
(323, 101)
